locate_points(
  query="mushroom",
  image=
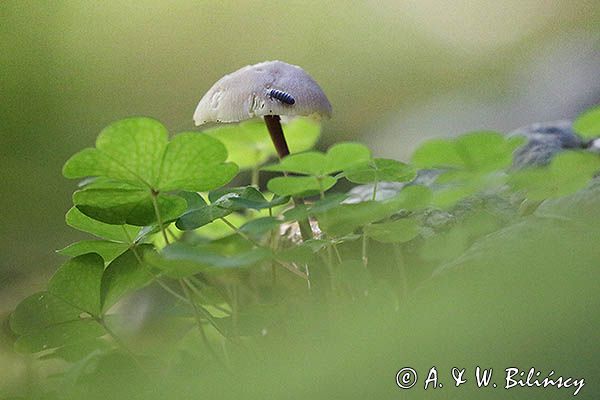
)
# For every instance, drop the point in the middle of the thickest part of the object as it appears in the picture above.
(268, 89)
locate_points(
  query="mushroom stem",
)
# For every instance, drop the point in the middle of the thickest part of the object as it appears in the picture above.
(274, 126)
(276, 131)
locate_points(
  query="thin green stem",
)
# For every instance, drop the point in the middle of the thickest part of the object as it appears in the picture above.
(294, 270)
(156, 278)
(375, 190)
(237, 230)
(171, 291)
(242, 234)
(235, 309)
(399, 261)
(158, 216)
(337, 253)
(204, 313)
(128, 236)
(321, 191)
(121, 343)
(255, 176)
(172, 234)
(272, 247)
(192, 283)
(198, 319)
(365, 258)
(308, 284)
(330, 267)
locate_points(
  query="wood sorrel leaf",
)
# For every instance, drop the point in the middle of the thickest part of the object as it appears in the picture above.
(108, 250)
(124, 275)
(135, 162)
(300, 185)
(588, 124)
(241, 198)
(338, 157)
(39, 311)
(180, 259)
(345, 155)
(398, 231)
(199, 213)
(475, 152)
(44, 322)
(127, 205)
(130, 149)
(63, 334)
(380, 170)
(568, 172)
(309, 163)
(346, 218)
(77, 282)
(260, 226)
(195, 162)
(124, 234)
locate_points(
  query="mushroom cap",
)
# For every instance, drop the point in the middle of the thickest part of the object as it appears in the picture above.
(246, 93)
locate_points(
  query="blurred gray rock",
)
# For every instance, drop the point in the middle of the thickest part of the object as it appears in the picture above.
(544, 140)
(594, 146)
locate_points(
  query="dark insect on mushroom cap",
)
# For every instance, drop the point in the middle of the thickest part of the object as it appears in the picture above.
(282, 96)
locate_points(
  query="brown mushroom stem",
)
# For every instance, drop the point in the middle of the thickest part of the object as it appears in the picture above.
(273, 123)
(276, 131)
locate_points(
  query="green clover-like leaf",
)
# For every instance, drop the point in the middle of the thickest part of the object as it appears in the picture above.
(137, 150)
(123, 234)
(300, 185)
(338, 158)
(478, 152)
(347, 218)
(127, 205)
(130, 149)
(246, 197)
(588, 124)
(181, 260)
(106, 249)
(123, 275)
(309, 163)
(568, 172)
(77, 282)
(136, 164)
(260, 226)
(380, 170)
(66, 333)
(345, 155)
(39, 311)
(195, 162)
(399, 231)
(199, 213)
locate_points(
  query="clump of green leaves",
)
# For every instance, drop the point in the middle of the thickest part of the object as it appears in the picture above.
(229, 257)
(136, 171)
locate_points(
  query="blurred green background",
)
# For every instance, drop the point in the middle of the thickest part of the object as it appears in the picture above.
(396, 72)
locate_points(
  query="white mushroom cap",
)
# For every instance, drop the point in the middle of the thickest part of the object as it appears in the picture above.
(246, 93)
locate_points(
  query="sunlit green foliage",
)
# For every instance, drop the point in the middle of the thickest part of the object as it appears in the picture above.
(136, 164)
(588, 124)
(317, 169)
(249, 144)
(154, 205)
